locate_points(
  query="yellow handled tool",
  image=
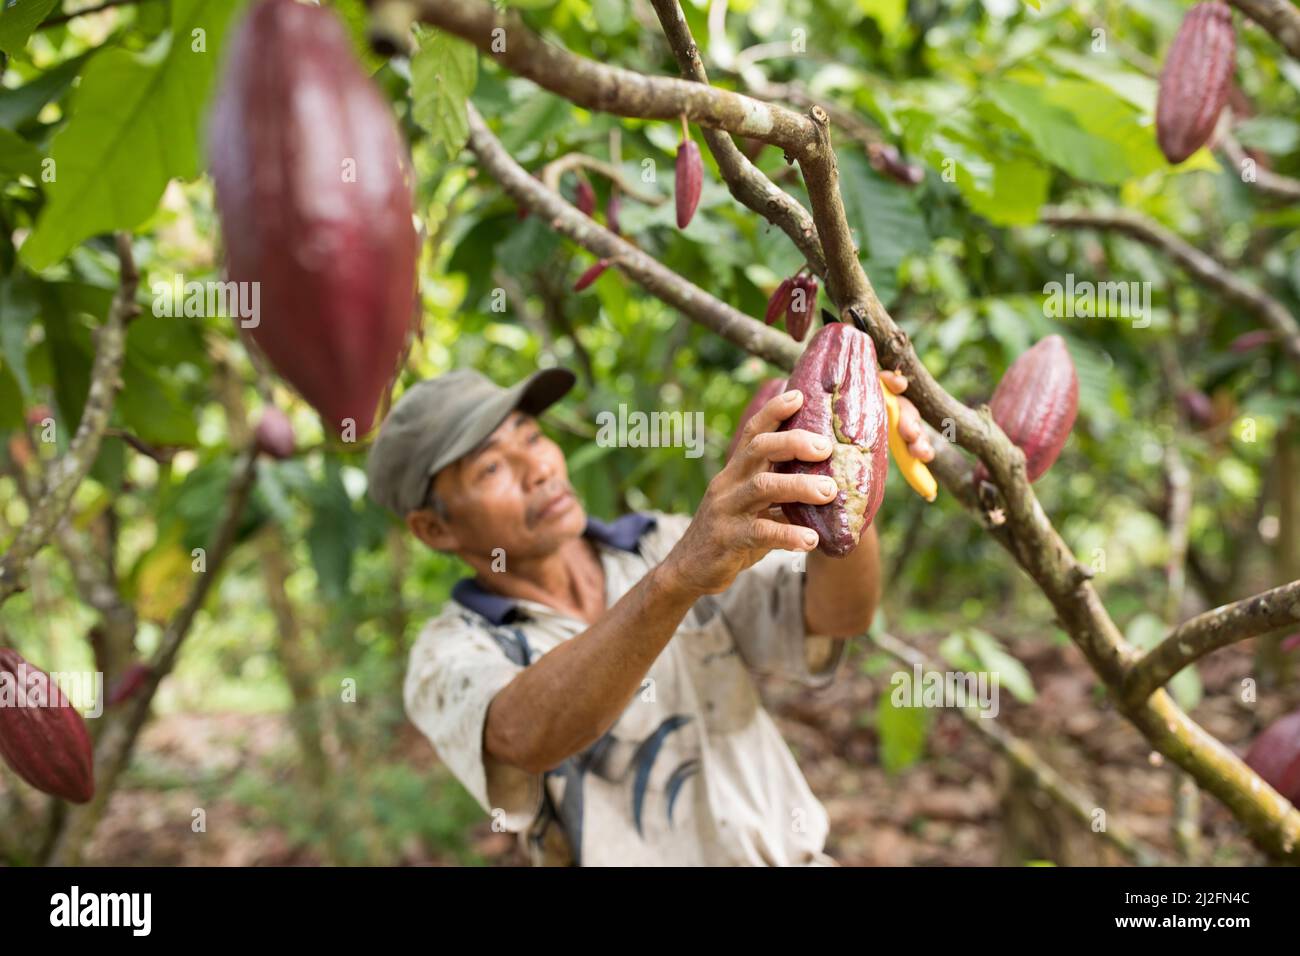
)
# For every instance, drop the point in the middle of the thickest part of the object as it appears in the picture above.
(913, 469)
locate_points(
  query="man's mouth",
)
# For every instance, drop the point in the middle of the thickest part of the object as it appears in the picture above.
(556, 506)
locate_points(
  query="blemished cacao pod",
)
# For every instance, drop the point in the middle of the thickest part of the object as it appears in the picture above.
(591, 275)
(42, 737)
(128, 684)
(1035, 404)
(1195, 80)
(779, 303)
(690, 180)
(842, 401)
(803, 300)
(769, 390)
(1275, 756)
(274, 434)
(312, 185)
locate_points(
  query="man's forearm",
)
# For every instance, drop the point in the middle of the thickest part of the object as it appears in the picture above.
(841, 594)
(574, 693)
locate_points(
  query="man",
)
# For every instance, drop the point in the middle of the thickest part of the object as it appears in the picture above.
(592, 684)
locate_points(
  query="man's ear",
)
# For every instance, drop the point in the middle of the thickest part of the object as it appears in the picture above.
(432, 530)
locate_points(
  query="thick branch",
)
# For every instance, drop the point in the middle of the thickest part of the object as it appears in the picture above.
(1278, 17)
(1199, 265)
(504, 37)
(66, 474)
(1193, 639)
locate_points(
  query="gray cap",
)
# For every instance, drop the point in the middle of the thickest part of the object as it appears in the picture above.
(442, 419)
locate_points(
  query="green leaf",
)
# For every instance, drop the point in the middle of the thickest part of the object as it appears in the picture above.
(443, 72)
(887, 220)
(17, 156)
(24, 103)
(1079, 126)
(356, 19)
(19, 305)
(135, 125)
(888, 14)
(902, 733)
(611, 16)
(1272, 134)
(995, 659)
(1186, 687)
(11, 399)
(70, 356)
(19, 19)
(332, 536)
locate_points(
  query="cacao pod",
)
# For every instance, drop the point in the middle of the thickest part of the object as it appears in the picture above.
(799, 313)
(312, 188)
(274, 434)
(1035, 404)
(128, 684)
(779, 303)
(1195, 80)
(690, 180)
(1275, 756)
(769, 390)
(42, 737)
(612, 209)
(842, 401)
(591, 275)
(586, 196)
(1197, 407)
(886, 159)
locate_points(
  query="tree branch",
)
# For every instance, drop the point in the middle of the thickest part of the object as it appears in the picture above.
(1193, 639)
(552, 171)
(1278, 17)
(1199, 265)
(1266, 181)
(66, 474)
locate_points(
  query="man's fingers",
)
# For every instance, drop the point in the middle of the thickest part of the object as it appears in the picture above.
(895, 382)
(768, 487)
(771, 415)
(797, 443)
(786, 537)
(921, 449)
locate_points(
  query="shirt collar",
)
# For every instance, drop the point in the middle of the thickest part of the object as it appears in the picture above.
(622, 533)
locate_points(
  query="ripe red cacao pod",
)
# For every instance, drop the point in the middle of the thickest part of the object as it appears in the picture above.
(1035, 404)
(779, 303)
(128, 684)
(803, 300)
(1275, 756)
(591, 275)
(769, 390)
(274, 434)
(1195, 80)
(42, 737)
(690, 180)
(842, 401)
(312, 185)
(586, 196)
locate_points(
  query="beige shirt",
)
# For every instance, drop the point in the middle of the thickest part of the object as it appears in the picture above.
(694, 771)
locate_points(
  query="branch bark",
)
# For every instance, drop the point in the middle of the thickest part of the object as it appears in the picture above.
(1198, 264)
(66, 474)
(1280, 18)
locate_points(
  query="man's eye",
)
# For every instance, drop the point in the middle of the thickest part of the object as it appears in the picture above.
(534, 438)
(488, 470)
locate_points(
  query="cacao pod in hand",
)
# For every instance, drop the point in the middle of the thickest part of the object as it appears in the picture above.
(1195, 80)
(766, 392)
(42, 737)
(690, 180)
(274, 434)
(1275, 756)
(842, 401)
(1035, 404)
(803, 300)
(312, 187)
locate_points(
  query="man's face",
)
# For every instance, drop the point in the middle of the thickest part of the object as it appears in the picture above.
(512, 492)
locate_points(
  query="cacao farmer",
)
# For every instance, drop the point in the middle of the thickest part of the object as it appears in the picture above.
(592, 684)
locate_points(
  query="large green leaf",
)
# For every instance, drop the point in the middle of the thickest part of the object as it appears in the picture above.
(17, 156)
(22, 104)
(135, 125)
(443, 72)
(902, 733)
(19, 19)
(19, 305)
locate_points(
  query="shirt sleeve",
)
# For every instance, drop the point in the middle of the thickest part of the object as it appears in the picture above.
(455, 670)
(763, 609)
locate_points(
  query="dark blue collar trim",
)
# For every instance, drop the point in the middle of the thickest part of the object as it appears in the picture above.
(622, 533)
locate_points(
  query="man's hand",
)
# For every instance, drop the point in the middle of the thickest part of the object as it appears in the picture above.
(732, 528)
(909, 419)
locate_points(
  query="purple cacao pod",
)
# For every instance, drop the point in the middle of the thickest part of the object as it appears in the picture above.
(274, 434)
(42, 737)
(1195, 80)
(690, 180)
(842, 401)
(1275, 756)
